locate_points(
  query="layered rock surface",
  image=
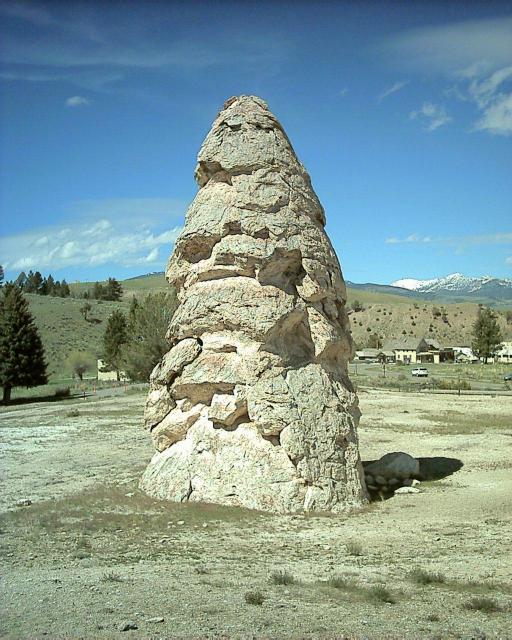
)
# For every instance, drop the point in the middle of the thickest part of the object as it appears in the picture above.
(252, 405)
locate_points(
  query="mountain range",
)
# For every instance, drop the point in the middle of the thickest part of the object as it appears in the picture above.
(455, 286)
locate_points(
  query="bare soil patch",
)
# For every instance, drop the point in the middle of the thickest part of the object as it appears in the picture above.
(92, 555)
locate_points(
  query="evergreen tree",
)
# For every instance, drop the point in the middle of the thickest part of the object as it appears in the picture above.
(22, 362)
(486, 333)
(20, 280)
(147, 327)
(98, 291)
(64, 290)
(114, 290)
(113, 341)
(1, 275)
(48, 287)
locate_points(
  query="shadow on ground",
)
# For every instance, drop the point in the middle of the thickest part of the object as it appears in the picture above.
(434, 468)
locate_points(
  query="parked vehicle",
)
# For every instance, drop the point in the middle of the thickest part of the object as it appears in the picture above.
(507, 377)
(420, 372)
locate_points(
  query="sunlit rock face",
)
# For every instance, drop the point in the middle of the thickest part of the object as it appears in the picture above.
(252, 405)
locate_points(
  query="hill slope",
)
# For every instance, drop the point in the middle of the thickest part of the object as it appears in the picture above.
(64, 329)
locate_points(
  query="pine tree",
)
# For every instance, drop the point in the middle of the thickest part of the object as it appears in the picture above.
(114, 290)
(1, 275)
(113, 340)
(486, 333)
(147, 327)
(22, 362)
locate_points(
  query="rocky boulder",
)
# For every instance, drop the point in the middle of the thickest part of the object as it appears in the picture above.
(252, 405)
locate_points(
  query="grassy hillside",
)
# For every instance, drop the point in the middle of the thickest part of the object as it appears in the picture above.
(64, 329)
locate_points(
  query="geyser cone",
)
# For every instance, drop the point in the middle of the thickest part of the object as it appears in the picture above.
(252, 405)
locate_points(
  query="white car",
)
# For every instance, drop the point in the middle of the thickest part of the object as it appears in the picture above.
(420, 372)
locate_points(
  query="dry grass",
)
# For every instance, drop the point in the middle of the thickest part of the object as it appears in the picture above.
(282, 577)
(486, 605)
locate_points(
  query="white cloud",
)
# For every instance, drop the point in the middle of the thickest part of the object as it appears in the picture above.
(433, 116)
(152, 256)
(491, 238)
(128, 233)
(508, 260)
(497, 118)
(459, 48)
(397, 86)
(77, 101)
(476, 54)
(414, 237)
(344, 91)
(99, 48)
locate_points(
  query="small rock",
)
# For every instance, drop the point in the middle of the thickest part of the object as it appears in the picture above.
(205, 524)
(129, 495)
(404, 490)
(181, 522)
(25, 502)
(155, 619)
(415, 483)
(128, 626)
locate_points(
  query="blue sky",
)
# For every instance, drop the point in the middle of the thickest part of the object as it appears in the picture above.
(401, 112)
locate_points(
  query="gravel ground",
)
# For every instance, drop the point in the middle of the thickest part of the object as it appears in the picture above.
(92, 556)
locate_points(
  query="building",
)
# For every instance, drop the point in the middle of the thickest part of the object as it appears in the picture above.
(368, 355)
(405, 350)
(412, 351)
(504, 353)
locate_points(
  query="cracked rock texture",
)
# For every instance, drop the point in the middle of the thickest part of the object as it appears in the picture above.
(252, 405)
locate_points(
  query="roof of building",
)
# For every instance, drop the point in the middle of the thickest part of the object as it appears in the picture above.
(404, 344)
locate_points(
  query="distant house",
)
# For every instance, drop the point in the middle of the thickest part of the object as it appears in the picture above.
(405, 350)
(464, 354)
(412, 350)
(366, 355)
(504, 353)
(110, 375)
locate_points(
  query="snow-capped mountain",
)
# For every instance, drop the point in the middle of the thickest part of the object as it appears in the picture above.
(459, 284)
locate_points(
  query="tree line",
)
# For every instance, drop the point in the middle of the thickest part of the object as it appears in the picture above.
(34, 282)
(132, 343)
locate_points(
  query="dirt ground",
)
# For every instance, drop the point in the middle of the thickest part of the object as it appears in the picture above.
(92, 555)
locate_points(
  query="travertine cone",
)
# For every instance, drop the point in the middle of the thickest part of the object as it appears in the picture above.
(252, 406)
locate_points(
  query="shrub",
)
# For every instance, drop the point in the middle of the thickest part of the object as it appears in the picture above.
(354, 548)
(420, 576)
(282, 577)
(254, 597)
(74, 413)
(487, 605)
(379, 593)
(62, 392)
(337, 582)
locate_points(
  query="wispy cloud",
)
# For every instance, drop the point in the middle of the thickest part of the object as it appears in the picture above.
(77, 101)
(482, 239)
(77, 43)
(397, 86)
(475, 56)
(118, 238)
(431, 115)
(414, 237)
(508, 260)
(459, 48)
(344, 91)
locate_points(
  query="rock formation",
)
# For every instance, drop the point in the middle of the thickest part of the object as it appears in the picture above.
(252, 405)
